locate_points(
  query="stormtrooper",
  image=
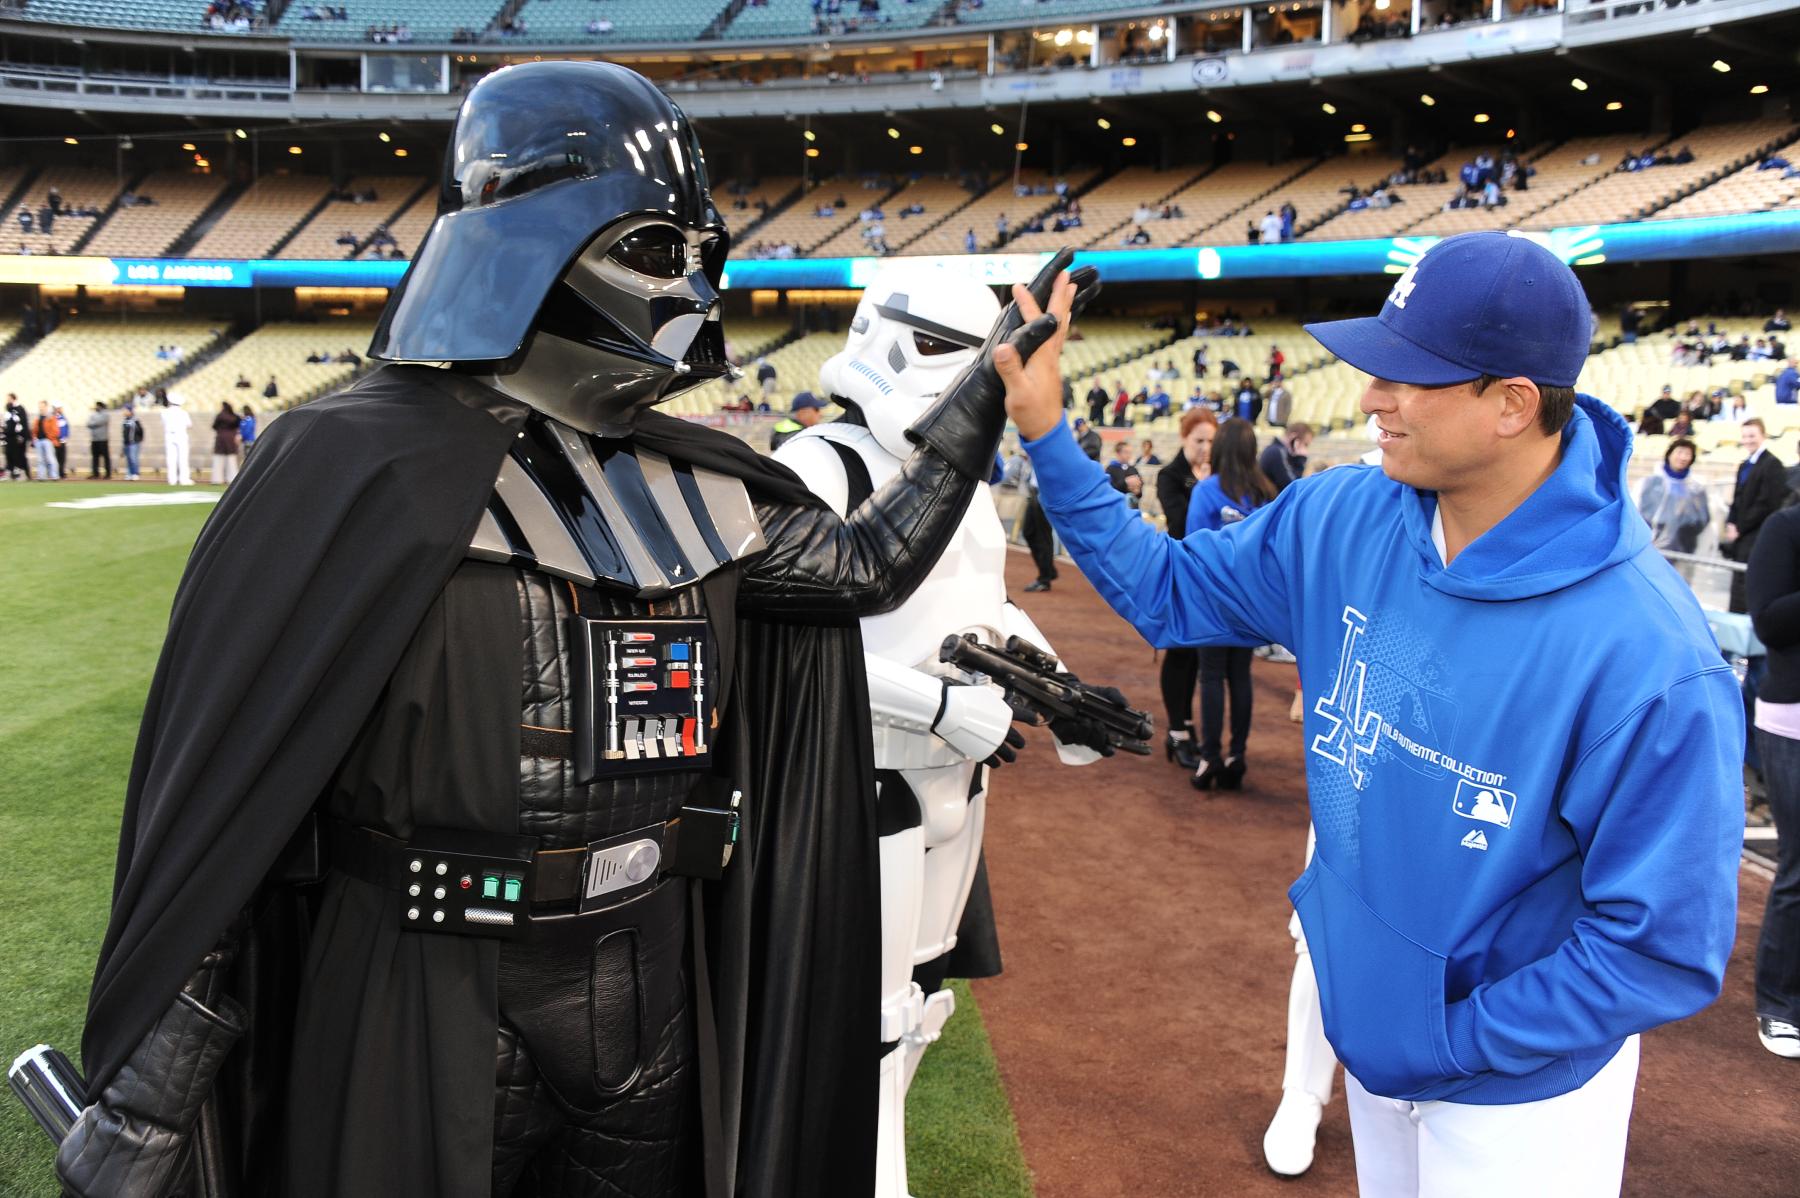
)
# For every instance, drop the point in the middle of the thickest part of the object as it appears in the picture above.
(502, 850)
(937, 731)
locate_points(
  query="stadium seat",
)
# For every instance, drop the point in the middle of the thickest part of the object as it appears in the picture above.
(80, 187)
(278, 350)
(272, 207)
(101, 359)
(148, 230)
(318, 238)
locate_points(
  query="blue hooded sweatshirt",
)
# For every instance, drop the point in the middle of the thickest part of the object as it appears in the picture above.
(1524, 768)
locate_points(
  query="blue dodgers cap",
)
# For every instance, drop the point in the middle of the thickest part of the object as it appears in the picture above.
(1474, 304)
(806, 399)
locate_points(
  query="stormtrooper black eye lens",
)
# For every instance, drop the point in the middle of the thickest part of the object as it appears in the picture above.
(931, 347)
(658, 251)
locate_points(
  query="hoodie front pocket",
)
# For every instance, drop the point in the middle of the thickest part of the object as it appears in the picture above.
(1382, 995)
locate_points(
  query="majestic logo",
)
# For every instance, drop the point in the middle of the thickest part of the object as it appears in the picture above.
(1353, 731)
(1489, 804)
(1476, 839)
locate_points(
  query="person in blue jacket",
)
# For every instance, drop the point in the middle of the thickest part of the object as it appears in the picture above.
(1235, 488)
(1523, 747)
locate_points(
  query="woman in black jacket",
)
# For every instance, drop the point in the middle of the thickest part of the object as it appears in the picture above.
(1772, 587)
(1181, 667)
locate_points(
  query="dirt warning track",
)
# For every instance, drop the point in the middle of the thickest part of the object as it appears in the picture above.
(1141, 1020)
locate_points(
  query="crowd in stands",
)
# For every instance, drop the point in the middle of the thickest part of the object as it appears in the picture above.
(1775, 162)
(1485, 181)
(324, 12)
(1275, 227)
(1649, 158)
(396, 33)
(1694, 347)
(231, 16)
(44, 219)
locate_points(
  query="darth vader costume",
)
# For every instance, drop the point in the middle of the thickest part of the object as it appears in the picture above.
(490, 829)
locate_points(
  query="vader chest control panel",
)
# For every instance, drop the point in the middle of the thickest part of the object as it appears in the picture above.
(644, 698)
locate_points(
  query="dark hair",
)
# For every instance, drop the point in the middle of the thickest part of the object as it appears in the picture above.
(1681, 443)
(1234, 464)
(1555, 404)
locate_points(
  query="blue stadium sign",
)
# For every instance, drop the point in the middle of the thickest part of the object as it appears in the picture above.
(1747, 234)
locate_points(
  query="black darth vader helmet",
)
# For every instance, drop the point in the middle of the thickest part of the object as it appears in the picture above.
(576, 238)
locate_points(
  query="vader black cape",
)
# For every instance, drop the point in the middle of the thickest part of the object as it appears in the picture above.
(302, 592)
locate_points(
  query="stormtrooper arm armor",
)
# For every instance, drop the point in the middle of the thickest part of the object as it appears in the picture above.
(973, 720)
(1015, 622)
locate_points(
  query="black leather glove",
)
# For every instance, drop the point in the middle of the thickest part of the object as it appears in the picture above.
(1088, 733)
(134, 1140)
(965, 425)
(1007, 751)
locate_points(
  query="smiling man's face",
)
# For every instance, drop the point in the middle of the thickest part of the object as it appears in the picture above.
(1435, 438)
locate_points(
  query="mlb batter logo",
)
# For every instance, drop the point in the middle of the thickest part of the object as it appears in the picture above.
(1488, 804)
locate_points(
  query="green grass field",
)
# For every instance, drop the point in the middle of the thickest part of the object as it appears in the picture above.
(84, 598)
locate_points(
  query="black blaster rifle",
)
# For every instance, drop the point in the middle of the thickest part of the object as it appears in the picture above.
(1037, 688)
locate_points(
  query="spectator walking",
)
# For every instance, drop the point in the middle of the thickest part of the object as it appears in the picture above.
(1774, 597)
(1673, 505)
(1283, 461)
(227, 445)
(1097, 401)
(766, 375)
(246, 431)
(1787, 383)
(16, 432)
(1233, 489)
(1269, 229)
(1760, 492)
(99, 427)
(46, 439)
(177, 430)
(62, 440)
(1281, 403)
(1035, 531)
(1180, 665)
(1200, 361)
(131, 441)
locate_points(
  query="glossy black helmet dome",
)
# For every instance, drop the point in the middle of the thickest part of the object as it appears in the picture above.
(544, 157)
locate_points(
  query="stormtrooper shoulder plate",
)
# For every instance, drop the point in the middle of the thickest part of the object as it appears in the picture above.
(603, 512)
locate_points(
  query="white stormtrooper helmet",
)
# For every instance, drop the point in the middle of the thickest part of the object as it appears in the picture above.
(915, 329)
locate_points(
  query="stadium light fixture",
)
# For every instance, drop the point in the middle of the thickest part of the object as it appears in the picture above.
(241, 135)
(915, 149)
(1511, 133)
(812, 151)
(893, 133)
(1156, 33)
(1358, 137)
(1761, 89)
(1064, 36)
(1021, 146)
(998, 131)
(1084, 37)
(1213, 116)
(383, 138)
(1381, 5)
(1614, 105)
(809, 135)
(71, 141)
(295, 150)
(1428, 100)
(399, 151)
(1482, 118)
(1721, 66)
(1579, 85)
(1103, 123)
(1328, 108)
(188, 146)
(1359, 128)
(1128, 142)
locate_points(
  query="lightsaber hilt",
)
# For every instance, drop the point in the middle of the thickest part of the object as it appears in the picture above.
(51, 1088)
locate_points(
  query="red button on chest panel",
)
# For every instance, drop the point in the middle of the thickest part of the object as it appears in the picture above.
(679, 678)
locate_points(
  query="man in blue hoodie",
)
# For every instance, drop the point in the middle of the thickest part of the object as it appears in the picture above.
(1523, 748)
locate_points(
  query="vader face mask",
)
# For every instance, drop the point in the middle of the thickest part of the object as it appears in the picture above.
(577, 252)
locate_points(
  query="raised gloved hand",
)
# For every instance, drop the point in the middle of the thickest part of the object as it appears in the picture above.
(965, 425)
(133, 1141)
(977, 722)
(1089, 734)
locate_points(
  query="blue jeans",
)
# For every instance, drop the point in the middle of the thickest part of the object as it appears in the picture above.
(1778, 950)
(131, 460)
(46, 458)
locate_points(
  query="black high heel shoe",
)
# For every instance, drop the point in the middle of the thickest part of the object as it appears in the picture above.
(1181, 751)
(1206, 772)
(1231, 774)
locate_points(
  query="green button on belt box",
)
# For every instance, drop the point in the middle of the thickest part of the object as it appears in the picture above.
(513, 887)
(490, 886)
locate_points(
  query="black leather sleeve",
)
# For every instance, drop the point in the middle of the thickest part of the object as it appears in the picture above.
(870, 561)
(134, 1140)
